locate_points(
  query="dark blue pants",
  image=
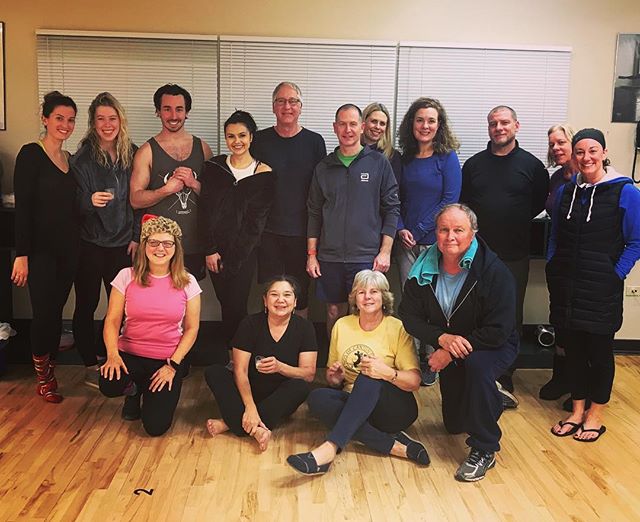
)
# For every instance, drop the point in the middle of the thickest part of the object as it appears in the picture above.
(274, 403)
(157, 407)
(371, 413)
(471, 401)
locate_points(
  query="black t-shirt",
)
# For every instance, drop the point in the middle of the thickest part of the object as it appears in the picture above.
(294, 160)
(253, 336)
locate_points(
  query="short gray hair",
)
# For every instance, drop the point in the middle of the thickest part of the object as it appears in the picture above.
(374, 279)
(473, 219)
(286, 84)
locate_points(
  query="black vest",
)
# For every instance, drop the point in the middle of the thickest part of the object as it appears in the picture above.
(584, 290)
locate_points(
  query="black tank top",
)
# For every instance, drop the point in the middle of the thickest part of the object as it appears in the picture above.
(182, 206)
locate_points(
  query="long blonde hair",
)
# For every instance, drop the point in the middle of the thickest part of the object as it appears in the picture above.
(385, 144)
(124, 146)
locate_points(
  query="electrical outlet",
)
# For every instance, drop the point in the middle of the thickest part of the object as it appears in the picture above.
(633, 291)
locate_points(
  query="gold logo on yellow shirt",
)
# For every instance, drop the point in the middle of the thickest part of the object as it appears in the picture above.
(353, 355)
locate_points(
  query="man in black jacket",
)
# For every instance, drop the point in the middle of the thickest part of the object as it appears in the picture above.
(506, 187)
(459, 298)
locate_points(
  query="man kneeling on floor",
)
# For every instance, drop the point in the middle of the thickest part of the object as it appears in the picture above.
(460, 297)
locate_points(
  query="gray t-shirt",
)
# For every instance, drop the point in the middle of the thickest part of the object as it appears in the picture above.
(448, 288)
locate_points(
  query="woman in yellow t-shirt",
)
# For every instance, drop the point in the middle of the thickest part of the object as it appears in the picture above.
(373, 363)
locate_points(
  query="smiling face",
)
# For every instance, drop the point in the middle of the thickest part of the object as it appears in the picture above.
(60, 123)
(173, 112)
(374, 127)
(107, 125)
(348, 128)
(287, 106)
(589, 156)
(425, 126)
(369, 300)
(280, 299)
(454, 234)
(158, 250)
(503, 128)
(560, 148)
(238, 138)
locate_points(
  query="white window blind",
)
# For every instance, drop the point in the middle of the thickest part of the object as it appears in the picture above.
(469, 82)
(131, 68)
(329, 75)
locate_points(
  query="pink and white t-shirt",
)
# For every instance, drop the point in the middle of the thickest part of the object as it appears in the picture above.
(153, 314)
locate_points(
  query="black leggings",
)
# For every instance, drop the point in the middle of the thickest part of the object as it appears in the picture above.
(157, 407)
(590, 365)
(274, 405)
(96, 265)
(233, 292)
(50, 279)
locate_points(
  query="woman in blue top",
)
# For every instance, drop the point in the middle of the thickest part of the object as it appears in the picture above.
(431, 179)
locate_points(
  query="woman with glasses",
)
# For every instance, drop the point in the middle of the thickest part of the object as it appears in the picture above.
(161, 301)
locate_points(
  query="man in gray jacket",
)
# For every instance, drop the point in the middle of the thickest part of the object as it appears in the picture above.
(353, 209)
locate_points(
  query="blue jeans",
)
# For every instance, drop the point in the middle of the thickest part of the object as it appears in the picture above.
(372, 413)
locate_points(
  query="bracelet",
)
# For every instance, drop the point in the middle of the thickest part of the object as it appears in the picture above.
(395, 376)
(173, 364)
(312, 252)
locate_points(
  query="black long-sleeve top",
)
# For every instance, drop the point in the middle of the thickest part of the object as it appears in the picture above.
(506, 193)
(45, 203)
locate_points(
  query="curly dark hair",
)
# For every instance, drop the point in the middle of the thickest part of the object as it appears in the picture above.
(444, 140)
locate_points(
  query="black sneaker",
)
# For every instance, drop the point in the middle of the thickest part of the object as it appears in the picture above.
(509, 401)
(475, 466)
(507, 382)
(415, 449)
(131, 410)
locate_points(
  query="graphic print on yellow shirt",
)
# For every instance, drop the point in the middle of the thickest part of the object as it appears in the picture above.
(389, 341)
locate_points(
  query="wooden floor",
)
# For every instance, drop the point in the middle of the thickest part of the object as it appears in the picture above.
(80, 461)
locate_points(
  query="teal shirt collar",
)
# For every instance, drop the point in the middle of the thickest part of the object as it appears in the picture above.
(427, 264)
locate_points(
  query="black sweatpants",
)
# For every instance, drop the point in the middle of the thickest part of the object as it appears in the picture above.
(590, 365)
(274, 403)
(233, 293)
(96, 265)
(157, 407)
(520, 270)
(50, 279)
(471, 402)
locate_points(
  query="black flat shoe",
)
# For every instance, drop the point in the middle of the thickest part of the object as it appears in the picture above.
(306, 464)
(131, 410)
(415, 449)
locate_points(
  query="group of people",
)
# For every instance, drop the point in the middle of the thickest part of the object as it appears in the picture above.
(149, 223)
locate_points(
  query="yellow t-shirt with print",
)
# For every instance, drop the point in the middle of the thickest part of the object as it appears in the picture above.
(388, 341)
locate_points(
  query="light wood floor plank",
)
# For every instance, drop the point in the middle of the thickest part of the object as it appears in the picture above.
(80, 461)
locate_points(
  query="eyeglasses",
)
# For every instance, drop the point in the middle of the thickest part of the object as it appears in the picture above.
(291, 101)
(154, 243)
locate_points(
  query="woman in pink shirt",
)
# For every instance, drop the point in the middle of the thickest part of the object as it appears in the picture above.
(160, 302)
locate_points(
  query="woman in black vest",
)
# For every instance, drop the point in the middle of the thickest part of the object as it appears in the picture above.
(595, 241)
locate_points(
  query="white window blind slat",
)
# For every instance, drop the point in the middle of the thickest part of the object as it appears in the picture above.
(131, 69)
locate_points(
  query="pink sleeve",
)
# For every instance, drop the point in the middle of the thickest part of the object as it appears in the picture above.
(192, 289)
(122, 280)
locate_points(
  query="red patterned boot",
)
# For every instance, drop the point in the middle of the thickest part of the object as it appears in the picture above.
(47, 384)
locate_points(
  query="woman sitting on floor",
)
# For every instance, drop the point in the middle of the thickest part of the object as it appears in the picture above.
(274, 359)
(373, 361)
(162, 304)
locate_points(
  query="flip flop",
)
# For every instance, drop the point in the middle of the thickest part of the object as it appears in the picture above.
(599, 431)
(575, 427)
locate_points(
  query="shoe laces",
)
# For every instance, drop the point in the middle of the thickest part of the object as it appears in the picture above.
(477, 457)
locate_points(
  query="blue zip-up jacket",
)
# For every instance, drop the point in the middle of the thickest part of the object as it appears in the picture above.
(350, 208)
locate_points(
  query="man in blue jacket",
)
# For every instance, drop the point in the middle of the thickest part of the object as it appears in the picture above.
(353, 210)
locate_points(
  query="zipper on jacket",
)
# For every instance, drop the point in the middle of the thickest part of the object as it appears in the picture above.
(448, 318)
